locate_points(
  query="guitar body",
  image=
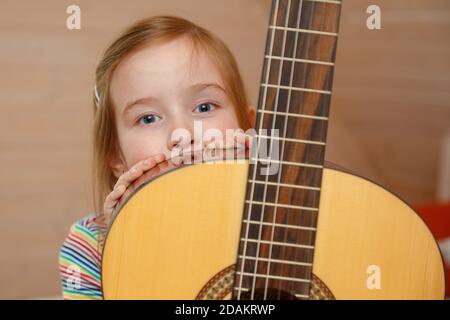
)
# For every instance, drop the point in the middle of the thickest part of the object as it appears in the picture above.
(182, 243)
(205, 231)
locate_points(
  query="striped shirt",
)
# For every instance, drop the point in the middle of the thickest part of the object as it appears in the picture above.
(80, 261)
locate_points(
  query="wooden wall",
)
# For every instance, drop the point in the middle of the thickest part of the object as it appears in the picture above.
(390, 107)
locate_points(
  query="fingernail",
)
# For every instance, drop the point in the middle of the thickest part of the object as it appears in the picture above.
(146, 162)
(133, 170)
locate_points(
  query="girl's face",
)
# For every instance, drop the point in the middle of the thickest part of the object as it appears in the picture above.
(159, 89)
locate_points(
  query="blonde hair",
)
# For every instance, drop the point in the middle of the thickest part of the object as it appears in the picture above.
(144, 33)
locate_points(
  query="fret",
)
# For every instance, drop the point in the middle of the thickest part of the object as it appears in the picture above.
(289, 174)
(279, 194)
(287, 216)
(287, 185)
(294, 245)
(281, 205)
(273, 277)
(308, 105)
(305, 198)
(326, 1)
(263, 234)
(323, 33)
(278, 252)
(302, 264)
(304, 41)
(325, 63)
(293, 76)
(290, 114)
(288, 163)
(280, 225)
(311, 155)
(295, 88)
(291, 140)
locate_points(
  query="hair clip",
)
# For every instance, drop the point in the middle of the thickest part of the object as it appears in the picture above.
(97, 96)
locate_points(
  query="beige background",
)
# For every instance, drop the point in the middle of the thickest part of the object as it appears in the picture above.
(390, 110)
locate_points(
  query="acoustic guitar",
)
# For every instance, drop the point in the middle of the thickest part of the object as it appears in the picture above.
(234, 230)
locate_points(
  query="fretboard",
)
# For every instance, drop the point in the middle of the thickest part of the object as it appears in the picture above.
(276, 247)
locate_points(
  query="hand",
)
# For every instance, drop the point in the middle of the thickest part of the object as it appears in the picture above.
(124, 181)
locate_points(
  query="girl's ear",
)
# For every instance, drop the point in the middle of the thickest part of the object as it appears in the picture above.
(117, 164)
(252, 115)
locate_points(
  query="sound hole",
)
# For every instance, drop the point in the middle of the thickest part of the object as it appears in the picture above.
(271, 294)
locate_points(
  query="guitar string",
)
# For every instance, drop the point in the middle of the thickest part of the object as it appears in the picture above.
(279, 174)
(260, 118)
(261, 127)
(304, 84)
(316, 194)
(272, 141)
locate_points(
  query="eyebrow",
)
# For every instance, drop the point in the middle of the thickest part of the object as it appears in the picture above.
(194, 88)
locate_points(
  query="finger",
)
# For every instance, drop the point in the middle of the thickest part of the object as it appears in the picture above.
(240, 139)
(151, 161)
(160, 157)
(212, 144)
(108, 211)
(249, 141)
(112, 198)
(116, 193)
(128, 177)
(138, 169)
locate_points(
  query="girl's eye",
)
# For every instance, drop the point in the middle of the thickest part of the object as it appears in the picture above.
(205, 107)
(150, 118)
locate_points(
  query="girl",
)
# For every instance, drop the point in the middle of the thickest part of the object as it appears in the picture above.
(162, 74)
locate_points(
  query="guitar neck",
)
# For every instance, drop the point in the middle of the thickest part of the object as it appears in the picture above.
(283, 191)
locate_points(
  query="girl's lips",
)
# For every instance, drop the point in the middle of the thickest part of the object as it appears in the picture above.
(207, 148)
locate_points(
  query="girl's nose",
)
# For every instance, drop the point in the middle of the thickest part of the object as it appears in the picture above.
(181, 142)
(181, 135)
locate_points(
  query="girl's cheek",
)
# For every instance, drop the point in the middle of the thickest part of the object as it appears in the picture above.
(222, 123)
(143, 147)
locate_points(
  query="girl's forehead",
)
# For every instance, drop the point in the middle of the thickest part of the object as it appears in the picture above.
(174, 58)
(173, 63)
